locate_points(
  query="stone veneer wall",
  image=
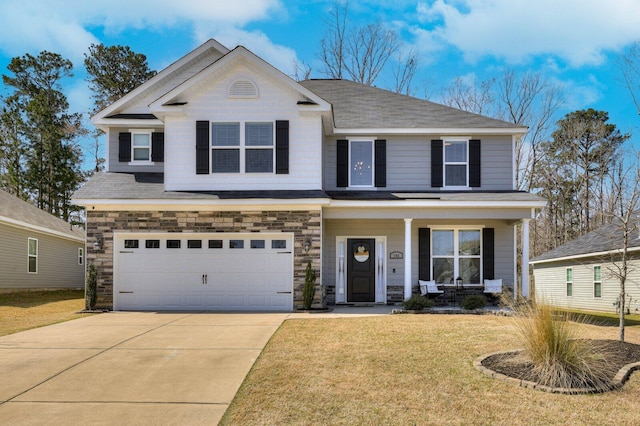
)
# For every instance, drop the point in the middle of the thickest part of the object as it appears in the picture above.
(304, 225)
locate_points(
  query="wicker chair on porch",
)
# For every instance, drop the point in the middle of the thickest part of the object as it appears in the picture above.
(430, 290)
(493, 290)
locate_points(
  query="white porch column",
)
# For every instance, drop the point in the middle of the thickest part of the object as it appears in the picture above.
(525, 257)
(407, 258)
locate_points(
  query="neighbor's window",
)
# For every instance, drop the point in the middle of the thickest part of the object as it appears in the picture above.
(597, 281)
(456, 163)
(569, 281)
(32, 256)
(80, 256)
(361, 163)
(242, 147)
(456, 253)
(141, 145)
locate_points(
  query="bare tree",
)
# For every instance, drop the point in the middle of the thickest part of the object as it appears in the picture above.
(629, 63)
(333, 43)
(404, 72)
(477, 97)
(301, 71)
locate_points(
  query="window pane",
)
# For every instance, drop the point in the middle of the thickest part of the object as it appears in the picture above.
(236, 244)
(455, 152)
(361, 163)
(215, 244)
(258, 134)
(131, 244)
(193, 244)
(33, 247)
(141, 140)
(225, 161)
(443, 243)
(469, 243)
(259, 160)
(225, 134)
(257, 244)
(279, 244)
(152, 244)
(33, 264)
(597, 273)
(443, 271)
(597, 290)
(171, 244)
(470, 270)
(455, 175)
(141, 154)
(569, 289)
(569, 275)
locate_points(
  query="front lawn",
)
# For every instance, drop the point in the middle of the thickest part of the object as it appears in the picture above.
(405, 370)
(24, 310)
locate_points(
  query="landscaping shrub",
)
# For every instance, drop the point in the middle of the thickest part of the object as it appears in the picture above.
(309, 289)
(417, 303)
(559, 356)
(474, 302)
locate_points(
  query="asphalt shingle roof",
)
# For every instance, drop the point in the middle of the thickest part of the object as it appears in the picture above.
(358, 106)
(21, 211)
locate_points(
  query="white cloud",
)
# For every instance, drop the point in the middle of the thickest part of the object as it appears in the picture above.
(577, 31)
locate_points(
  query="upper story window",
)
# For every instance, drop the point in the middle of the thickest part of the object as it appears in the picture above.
(361, 163)
(456, 163)
(242, 147)
(141, 146)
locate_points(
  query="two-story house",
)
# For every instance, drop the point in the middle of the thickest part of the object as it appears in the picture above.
(225, 178)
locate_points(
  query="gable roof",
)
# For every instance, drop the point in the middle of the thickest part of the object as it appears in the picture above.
(357, 106)
(602, 241)
(19, 213)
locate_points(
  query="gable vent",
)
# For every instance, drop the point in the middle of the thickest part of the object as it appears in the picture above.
(242, 89)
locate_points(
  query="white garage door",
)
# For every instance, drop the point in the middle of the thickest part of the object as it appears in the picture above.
(227, 272)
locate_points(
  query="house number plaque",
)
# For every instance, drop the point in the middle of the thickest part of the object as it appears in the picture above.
(396, 255)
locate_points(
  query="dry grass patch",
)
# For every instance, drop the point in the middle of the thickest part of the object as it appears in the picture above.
(407, 369)
(25, 310)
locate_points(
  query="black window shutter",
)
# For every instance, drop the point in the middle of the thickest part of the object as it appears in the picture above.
(157, 147)
(474, 163)
(282, 147)
(381, 163)
(488, 254)
(342, 164)
(424, 254)
(202, 147)
(436, 163)
(124, 147)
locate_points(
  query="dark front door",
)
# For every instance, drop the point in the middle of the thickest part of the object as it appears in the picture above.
(361, 277)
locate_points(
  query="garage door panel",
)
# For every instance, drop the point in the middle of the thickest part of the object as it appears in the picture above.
(216, 278)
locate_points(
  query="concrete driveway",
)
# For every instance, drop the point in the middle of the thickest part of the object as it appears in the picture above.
(130, 368)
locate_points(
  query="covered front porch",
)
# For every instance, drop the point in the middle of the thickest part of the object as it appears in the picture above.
(378, 253)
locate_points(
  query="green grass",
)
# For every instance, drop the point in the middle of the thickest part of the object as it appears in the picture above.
(21, 311)
(406, 370)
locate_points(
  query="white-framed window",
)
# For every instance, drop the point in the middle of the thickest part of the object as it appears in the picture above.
(361, 163)
(597, 281)
(32, 256)
(456, 162)
(569, 281)
(242, 147)
(140, 146)
(80, 256)
(456, 253)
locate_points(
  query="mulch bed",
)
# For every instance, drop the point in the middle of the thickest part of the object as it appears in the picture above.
(518, 366)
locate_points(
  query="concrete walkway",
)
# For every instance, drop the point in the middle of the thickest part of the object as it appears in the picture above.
(130, 368)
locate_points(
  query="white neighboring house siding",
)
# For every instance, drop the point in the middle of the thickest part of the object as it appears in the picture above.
(275, 102)
(57, 260)
(550, 284)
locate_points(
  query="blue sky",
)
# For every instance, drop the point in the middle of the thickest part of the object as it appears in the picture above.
(574, 43)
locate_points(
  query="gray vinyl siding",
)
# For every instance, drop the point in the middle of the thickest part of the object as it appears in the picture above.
(409, 163)
(116, 166)
(393, 230)
(57, 261)
(550, 285)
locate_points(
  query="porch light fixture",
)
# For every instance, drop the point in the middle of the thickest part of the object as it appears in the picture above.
(98, 244)
(307, 246)
(459, 282)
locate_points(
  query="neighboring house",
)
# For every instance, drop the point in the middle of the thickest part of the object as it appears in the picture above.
(225, 178)
(38, 250)
(584, 273)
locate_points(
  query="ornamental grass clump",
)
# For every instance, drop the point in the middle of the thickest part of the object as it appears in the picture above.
(559, 357)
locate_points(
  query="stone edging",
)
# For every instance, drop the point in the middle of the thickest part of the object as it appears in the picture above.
(620, 378)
